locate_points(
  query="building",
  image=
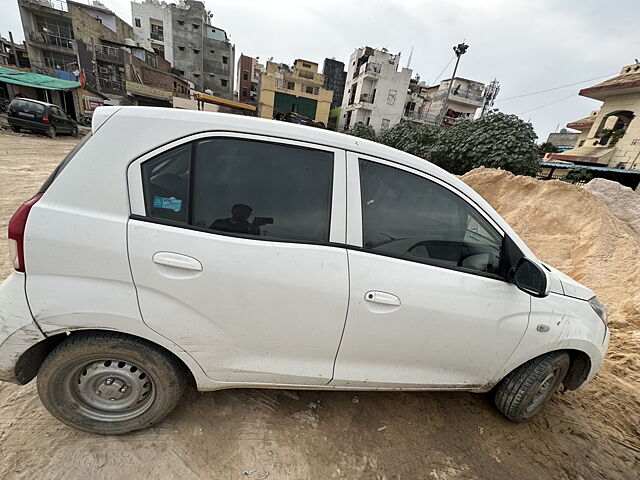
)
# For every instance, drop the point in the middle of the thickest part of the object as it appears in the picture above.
(611, 135)
(299, 89)
(248, 81)
(198, 51)
(609, 139)
(439, 104)
(14, 54)
(564, 139)
(335, 79)
(375, 90)
(91, 44)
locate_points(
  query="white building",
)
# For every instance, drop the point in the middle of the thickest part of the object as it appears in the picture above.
(429, 104)
(152, 27)
(375, 91)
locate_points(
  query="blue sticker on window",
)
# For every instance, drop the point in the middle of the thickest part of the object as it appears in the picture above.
(170, 203)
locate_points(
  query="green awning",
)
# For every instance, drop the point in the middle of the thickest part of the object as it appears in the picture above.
(35, 80)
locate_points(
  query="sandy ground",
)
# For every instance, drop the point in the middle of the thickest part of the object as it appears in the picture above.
(251, 434)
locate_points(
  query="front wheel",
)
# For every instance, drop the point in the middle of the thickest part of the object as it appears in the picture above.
(109, 383)
(523, 392)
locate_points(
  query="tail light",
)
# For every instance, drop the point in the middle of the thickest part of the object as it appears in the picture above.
(17, 225)
(8, 112)
(45, 118)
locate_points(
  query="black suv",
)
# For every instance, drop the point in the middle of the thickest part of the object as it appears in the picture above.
(40, 117)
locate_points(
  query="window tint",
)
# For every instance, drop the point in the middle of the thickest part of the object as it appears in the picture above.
(258, 188)
(243, 187)
(166, 184)
(408, 216)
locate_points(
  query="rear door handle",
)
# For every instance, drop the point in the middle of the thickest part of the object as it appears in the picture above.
(382, 297)
(177, 260)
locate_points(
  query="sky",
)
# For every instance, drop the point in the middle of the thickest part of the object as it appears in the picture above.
(527, 45)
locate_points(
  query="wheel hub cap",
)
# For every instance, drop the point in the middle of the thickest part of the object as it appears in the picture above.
(110, 390)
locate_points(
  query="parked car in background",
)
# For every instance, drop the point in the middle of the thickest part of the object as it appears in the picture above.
(249, 253)
(24, 113)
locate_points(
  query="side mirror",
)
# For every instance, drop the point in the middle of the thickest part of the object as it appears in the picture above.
(531, 278)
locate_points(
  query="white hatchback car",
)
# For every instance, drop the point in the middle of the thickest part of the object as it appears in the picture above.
(254, 253)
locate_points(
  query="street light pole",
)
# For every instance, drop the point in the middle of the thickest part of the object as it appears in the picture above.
(459, 50)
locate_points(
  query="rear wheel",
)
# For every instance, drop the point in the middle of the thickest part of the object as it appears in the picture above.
(51, 132)
(74, 131)
(110, 383)
(14, 128)
(523, 392)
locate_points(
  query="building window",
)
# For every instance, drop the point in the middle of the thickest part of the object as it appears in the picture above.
(224, 82)
(180, 48)
(306, 65)
(196, 26)
(196, 51)
(180, 22)
(291, 85)
(245, 75)
(385, 123)
(197, 75)
(225, 60)
(245, 93)
(181, 72)
(157, 32)
(138, 24)
(311, 90)
(213, 51)
(391, 98)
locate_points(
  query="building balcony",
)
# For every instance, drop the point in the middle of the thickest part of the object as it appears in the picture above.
(465, 97)
(367, 98)
(52, 42)
(109, 54)
(57, 5)
(420, 117)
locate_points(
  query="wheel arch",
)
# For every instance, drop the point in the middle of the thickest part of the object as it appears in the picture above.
(29, 363)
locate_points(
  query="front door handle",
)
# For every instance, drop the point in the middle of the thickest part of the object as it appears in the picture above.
(177, 260)
(382, 297)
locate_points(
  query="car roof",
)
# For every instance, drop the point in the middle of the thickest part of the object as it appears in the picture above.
(35, 101)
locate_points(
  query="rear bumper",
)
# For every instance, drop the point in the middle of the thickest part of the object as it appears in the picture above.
(29, 124)
(18, 331)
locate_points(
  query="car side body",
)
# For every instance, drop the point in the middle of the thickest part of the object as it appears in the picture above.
(37, 116)
(241, 311)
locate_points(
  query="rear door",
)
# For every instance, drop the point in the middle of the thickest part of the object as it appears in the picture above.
(429, 307)
(236, 245)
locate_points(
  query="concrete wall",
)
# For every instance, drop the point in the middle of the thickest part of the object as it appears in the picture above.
(142, 34)
(218, 75)
(335, 79)
(188, 41)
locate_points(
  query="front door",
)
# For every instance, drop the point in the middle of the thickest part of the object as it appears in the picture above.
(428, 305)
(237, 252)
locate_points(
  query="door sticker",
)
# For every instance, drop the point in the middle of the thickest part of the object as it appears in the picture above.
(168, 203)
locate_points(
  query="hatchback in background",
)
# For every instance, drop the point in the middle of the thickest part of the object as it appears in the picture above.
(39, 117)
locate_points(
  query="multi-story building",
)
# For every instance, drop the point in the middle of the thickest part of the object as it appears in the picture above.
(299, 89)
(198, 51)
(609, 137)
(441, 103)
(335, 79)
(563, 140)
(375, 90)
(248, 81)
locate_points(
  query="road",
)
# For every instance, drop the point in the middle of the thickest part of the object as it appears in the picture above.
(251, 434)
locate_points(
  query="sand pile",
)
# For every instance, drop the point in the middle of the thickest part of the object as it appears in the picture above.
(576, 232)
(621, 200)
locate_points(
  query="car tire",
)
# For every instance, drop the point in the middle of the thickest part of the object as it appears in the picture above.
(523, 392)
(74, 132)
(51, 132)
(14, 128)
(110, 383)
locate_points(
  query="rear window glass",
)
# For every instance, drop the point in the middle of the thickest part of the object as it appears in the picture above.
(26, 106)
(63, 164)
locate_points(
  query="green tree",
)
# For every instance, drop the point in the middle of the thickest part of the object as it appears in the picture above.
(363, 131)
(547, 147)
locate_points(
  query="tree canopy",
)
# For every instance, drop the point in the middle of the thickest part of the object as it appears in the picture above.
(497, 140)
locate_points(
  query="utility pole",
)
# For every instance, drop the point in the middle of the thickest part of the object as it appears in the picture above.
(459, 50)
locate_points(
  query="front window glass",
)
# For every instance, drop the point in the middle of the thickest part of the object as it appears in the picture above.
(407, 216)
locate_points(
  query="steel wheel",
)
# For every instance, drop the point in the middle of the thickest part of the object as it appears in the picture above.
(109, 390)
(546, 388)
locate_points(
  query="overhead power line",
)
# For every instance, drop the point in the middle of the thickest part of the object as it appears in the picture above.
(554, 88)
(440, 74)
(547, 104)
